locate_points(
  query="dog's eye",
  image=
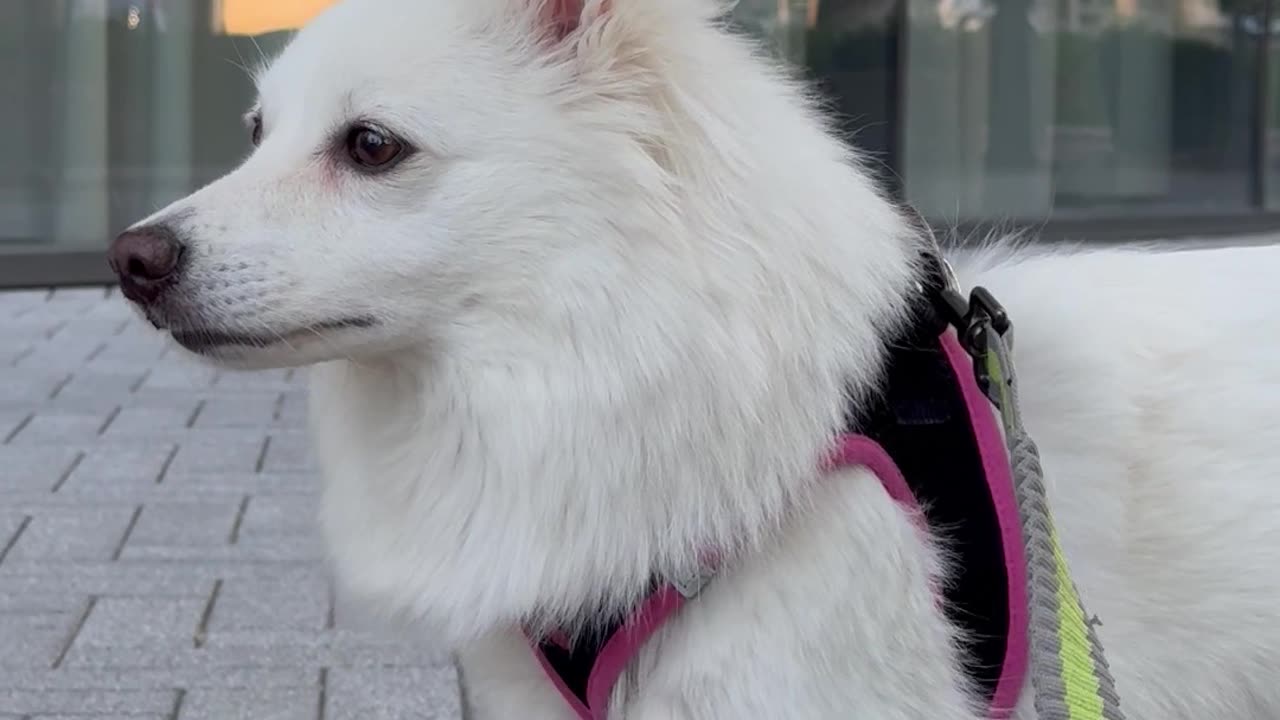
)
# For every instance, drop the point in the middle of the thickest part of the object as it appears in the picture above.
(255, 129)
(373, 149)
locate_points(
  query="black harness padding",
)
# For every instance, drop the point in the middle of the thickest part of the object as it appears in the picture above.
(921, 420)
(919, 417)
(574, 666)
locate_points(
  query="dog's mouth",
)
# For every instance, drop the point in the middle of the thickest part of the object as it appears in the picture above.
(205, 341)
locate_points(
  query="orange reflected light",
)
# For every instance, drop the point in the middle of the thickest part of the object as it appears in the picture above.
(254, 17)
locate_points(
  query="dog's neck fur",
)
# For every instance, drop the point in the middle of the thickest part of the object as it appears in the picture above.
(585, 443)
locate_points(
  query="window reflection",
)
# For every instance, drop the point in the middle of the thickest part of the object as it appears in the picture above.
(1023, 108)
(990, 109)
(850, 50)
(116, 94)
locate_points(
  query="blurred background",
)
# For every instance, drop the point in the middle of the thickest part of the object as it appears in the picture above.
(1088, 119)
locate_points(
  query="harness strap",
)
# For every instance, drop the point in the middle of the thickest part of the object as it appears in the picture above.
(586, 673)
(1069, 671)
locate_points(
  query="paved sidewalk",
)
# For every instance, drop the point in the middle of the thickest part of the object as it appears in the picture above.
(159, 558)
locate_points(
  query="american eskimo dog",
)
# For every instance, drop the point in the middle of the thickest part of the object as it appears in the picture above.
(587, 286)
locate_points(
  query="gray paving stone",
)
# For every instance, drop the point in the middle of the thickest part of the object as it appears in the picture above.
(119, 466)
(251, 410)
(41, 604)
(265, 380)
(279, 551)
(11, 523)
(258, 704)
(81, 297)
(181, 398)
(46, 316)
(86, 403)
(125, 354)
(293, 407)
(245, 482)
(12, 420)
(191, 524)
(88, 702)
(84, 329)
(431, 694)
(117, 314)
(30, 327)
(191, 677)
(180, 376)
(106, 577)
(66, 352)
(33, 640)
(283, 649)
(74, 328)
(13, 350)
(34, 469)
(26, 388)
(14, 300)
(289, 452)
(129, 716)
(118, 386)
(227, 451)
(153, 626)
(221, 655)
(290, 604)
(138, 329)
(219, 595)
(107, 496)
(59, 428)
(270, 517)
(135, 421)
(87, 533)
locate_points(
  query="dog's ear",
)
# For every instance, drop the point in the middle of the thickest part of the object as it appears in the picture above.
(562, 18)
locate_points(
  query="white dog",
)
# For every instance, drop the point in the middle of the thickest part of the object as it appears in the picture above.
(588, 285)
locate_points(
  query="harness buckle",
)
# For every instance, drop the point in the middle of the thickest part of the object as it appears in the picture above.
(974, 319)
(985, 313)
(691, 585)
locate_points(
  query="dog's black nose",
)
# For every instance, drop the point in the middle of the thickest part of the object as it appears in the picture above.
(145, 260)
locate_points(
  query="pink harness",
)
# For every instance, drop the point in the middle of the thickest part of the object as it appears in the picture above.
(590, 699)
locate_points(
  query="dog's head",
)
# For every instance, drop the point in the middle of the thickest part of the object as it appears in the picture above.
(420, 167)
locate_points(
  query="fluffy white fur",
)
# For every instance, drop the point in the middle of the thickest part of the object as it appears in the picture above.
(620, 289)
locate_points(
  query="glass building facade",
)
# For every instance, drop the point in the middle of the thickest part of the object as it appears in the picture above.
(1090, 119)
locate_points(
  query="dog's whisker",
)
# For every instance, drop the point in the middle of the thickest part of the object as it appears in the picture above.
(240, 66)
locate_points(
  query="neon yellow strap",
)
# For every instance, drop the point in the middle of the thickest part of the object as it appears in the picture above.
(1069, 673)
